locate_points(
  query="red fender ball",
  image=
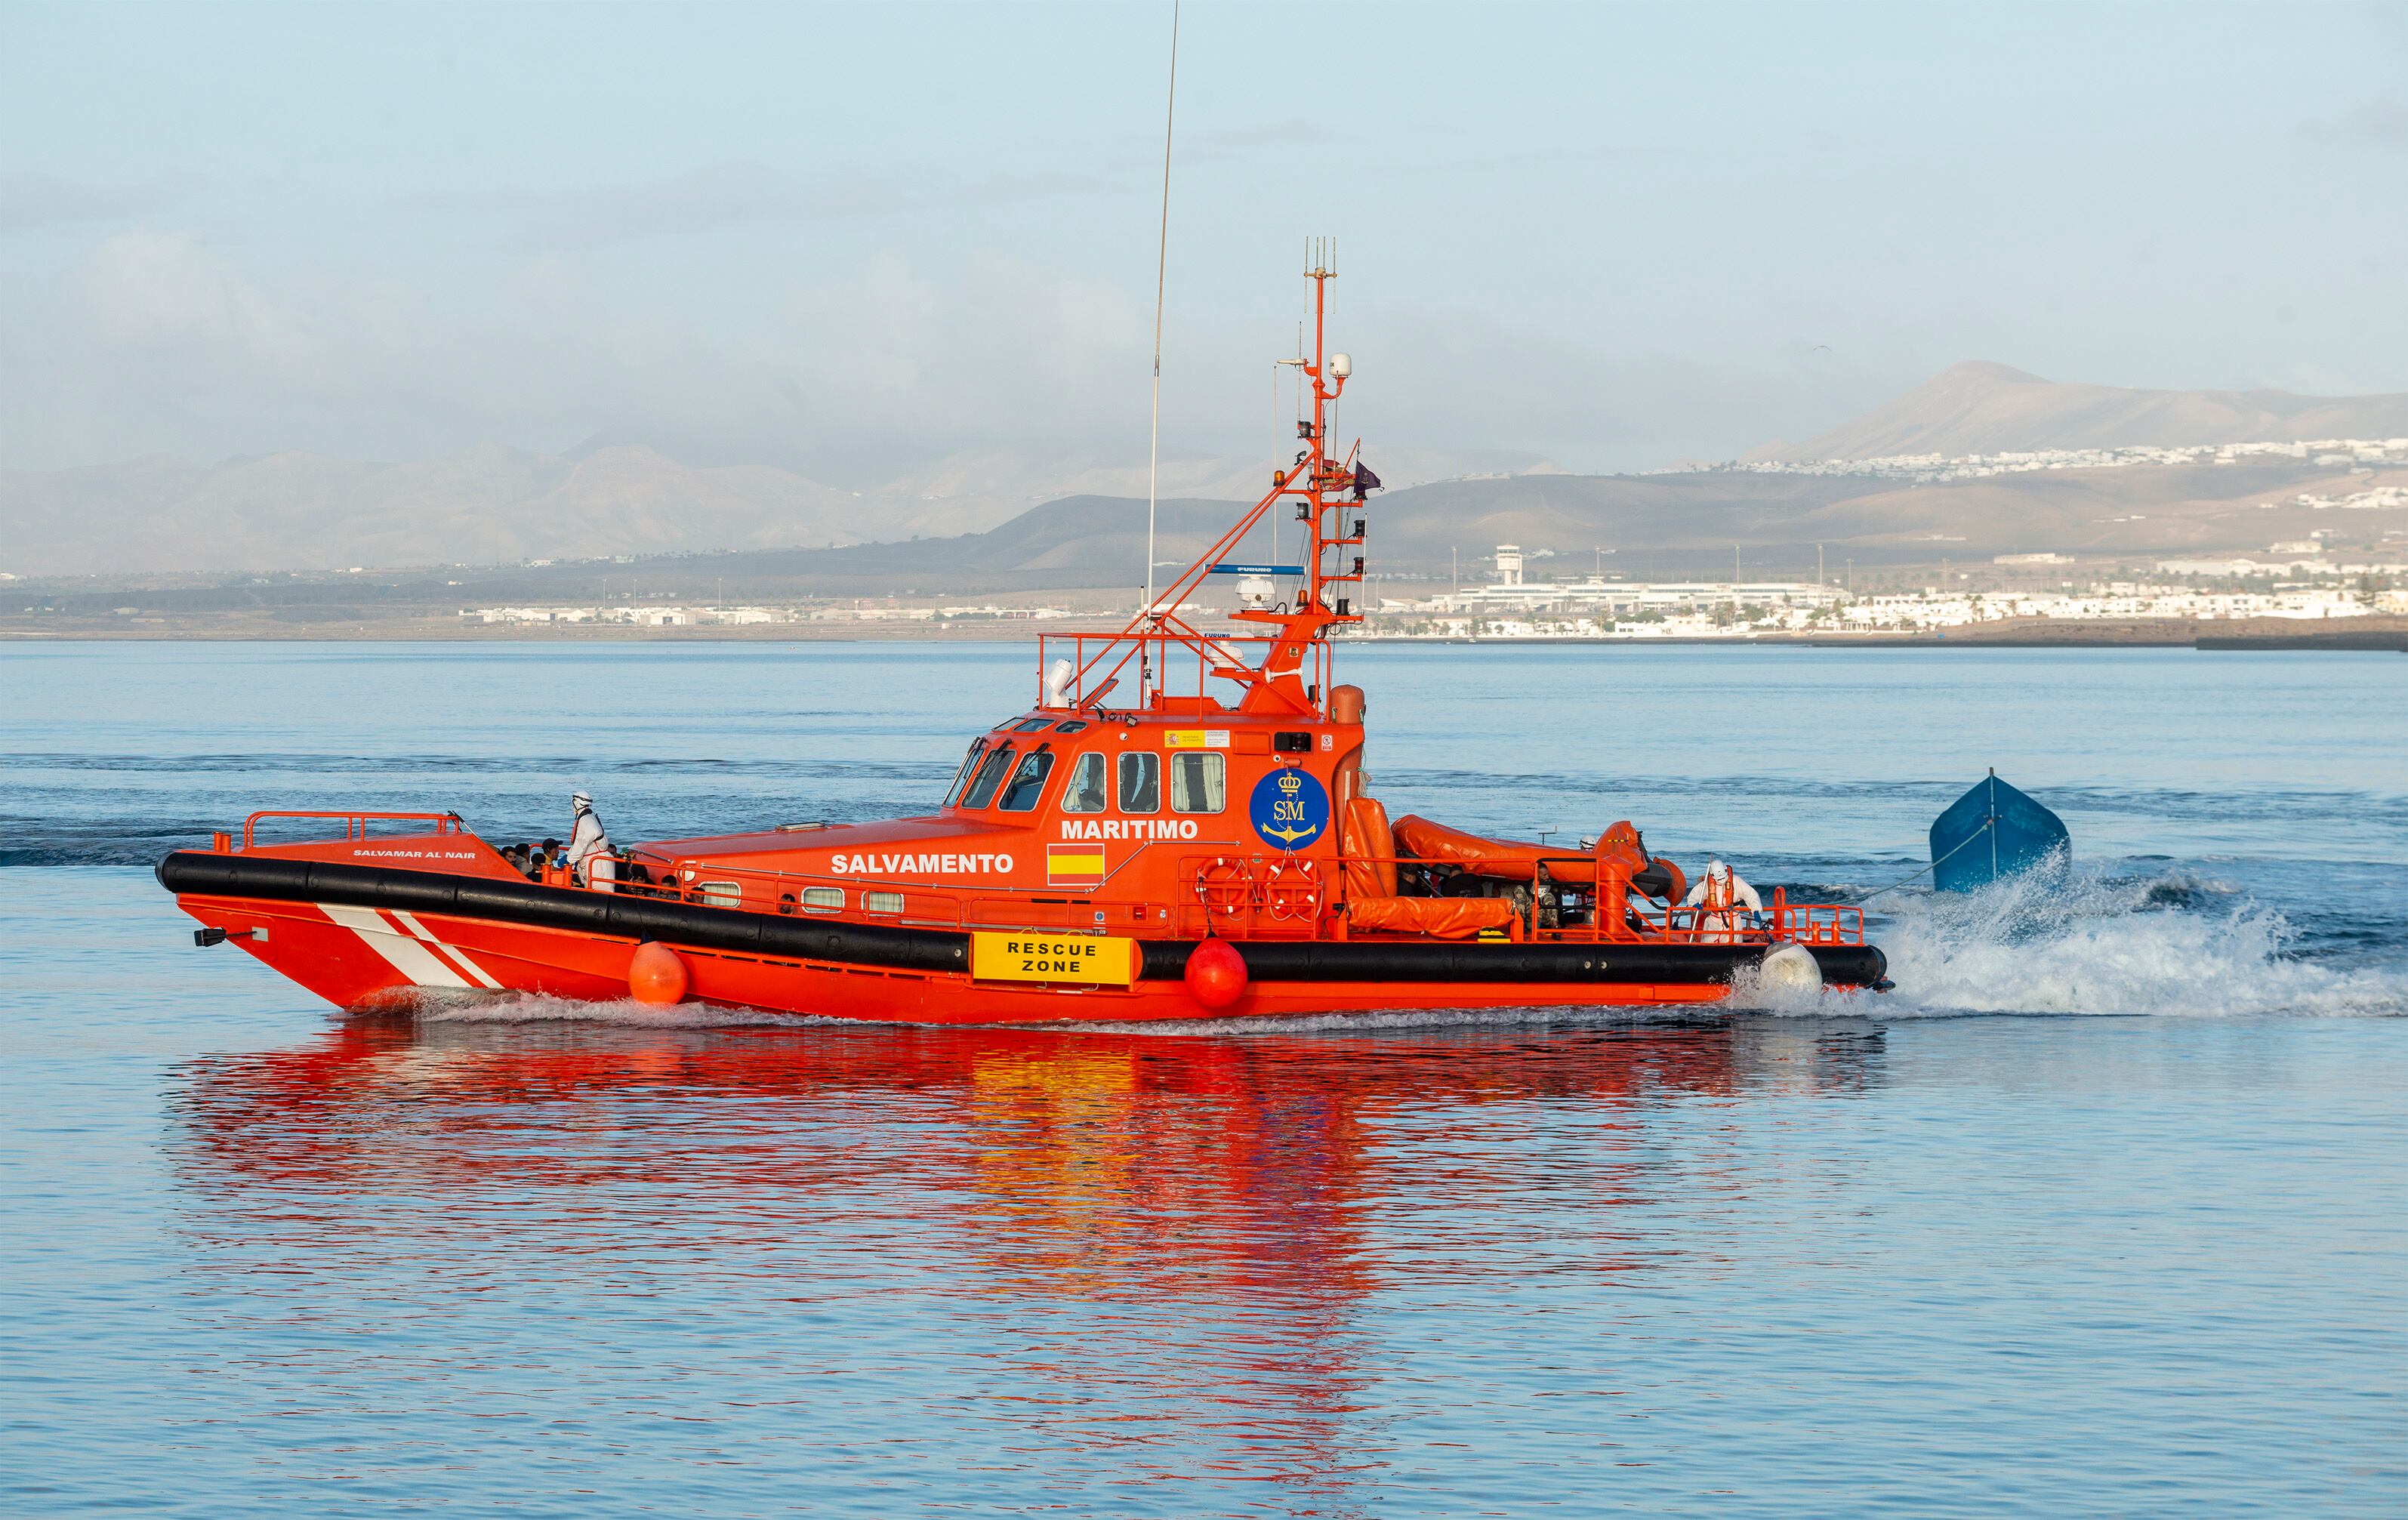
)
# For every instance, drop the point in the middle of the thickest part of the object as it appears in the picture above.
(656, 975)
(1216, 973)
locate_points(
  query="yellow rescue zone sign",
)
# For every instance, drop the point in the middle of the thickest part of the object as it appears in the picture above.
(1052, 957)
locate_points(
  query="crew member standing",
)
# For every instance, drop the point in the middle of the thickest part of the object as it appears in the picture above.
(1719, 897)
(590, 857)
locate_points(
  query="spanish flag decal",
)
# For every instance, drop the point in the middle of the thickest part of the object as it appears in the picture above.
(1074, 864)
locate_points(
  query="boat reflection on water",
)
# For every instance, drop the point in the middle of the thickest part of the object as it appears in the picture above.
(1063, 1153)
(1095, 1162)
(1196, 1222)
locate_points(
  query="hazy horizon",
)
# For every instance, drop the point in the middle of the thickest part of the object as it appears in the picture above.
(849, 241)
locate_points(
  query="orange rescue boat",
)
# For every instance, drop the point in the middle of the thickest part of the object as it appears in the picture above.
(1208, 845)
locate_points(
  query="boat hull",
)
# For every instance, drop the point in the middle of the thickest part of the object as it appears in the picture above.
(1993, 832)
(364, 935)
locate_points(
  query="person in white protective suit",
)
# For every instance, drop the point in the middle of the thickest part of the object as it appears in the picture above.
(1719, 896)
(590, 857)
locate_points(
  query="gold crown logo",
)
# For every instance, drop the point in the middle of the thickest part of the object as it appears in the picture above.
(1291, 784)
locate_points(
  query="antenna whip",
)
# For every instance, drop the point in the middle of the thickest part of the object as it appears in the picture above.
(1161, 269)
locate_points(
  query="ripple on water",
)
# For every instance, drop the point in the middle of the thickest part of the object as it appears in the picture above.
(1871, 1255)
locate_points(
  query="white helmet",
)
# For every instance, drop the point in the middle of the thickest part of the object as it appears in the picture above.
(581, 799)
(1716, 869)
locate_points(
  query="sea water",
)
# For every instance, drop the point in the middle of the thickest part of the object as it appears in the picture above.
(2104, 1210)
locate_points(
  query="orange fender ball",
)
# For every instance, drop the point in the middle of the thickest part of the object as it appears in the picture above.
(1216, 973)
(656, 975)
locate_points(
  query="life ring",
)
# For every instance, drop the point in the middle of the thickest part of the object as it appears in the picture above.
(1221, 887)
(1293, 889)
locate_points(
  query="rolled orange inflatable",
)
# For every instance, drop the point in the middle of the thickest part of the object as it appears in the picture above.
(1442, 918)
(1512, 859)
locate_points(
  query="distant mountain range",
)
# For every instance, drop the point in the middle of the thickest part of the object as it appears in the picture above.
(1009, 517)
(491, 505)
(1679, 525)
(1987, 409)
(486, 505)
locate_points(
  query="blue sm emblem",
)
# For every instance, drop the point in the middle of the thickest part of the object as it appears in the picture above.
(1289, 808)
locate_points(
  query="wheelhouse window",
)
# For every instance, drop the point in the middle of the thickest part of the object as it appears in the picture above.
(1197, 782)
(1085, 793)
(1141, 782)
(962, 777)
(1032, 725)
(1028, 782)
(991, 772)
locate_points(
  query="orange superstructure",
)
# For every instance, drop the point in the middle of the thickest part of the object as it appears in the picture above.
(1169, 788)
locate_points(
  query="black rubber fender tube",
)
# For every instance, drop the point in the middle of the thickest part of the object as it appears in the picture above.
(628, 916)
(616, 916)
(1277, 960)
(1851, 966)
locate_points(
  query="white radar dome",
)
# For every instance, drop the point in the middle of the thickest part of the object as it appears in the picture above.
(1341, 364)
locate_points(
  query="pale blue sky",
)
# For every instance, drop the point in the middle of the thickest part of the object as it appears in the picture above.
(851, 238)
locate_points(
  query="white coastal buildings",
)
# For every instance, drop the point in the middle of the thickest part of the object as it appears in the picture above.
(1512, 595)
(1514, 608)
(2355, 454)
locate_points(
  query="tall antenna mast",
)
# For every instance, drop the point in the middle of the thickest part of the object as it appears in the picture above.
(1161, 271)
(1292, 677)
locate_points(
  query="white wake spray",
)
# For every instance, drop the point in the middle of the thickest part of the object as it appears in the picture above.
(536, 1007)
(2060, 942)
(2067, 942)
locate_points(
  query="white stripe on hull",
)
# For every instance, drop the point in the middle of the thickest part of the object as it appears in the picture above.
(426, 960)
(450, 954)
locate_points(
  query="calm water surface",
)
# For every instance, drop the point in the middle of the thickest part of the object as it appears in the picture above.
(2101, 1212)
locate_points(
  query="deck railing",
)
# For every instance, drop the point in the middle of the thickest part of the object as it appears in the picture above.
(1242, 897)
(1234, 894)
(356, 820)
(1183, 668)
(865, 899)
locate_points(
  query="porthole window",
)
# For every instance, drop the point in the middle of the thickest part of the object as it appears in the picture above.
(962, 777)
(1086, 792)
(882, 902)
(823, 899)
(1197, 782)
(991, 773)
(1142, 783)
(1027, 782)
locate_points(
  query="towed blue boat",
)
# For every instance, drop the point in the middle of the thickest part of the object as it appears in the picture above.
(1993, 831)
